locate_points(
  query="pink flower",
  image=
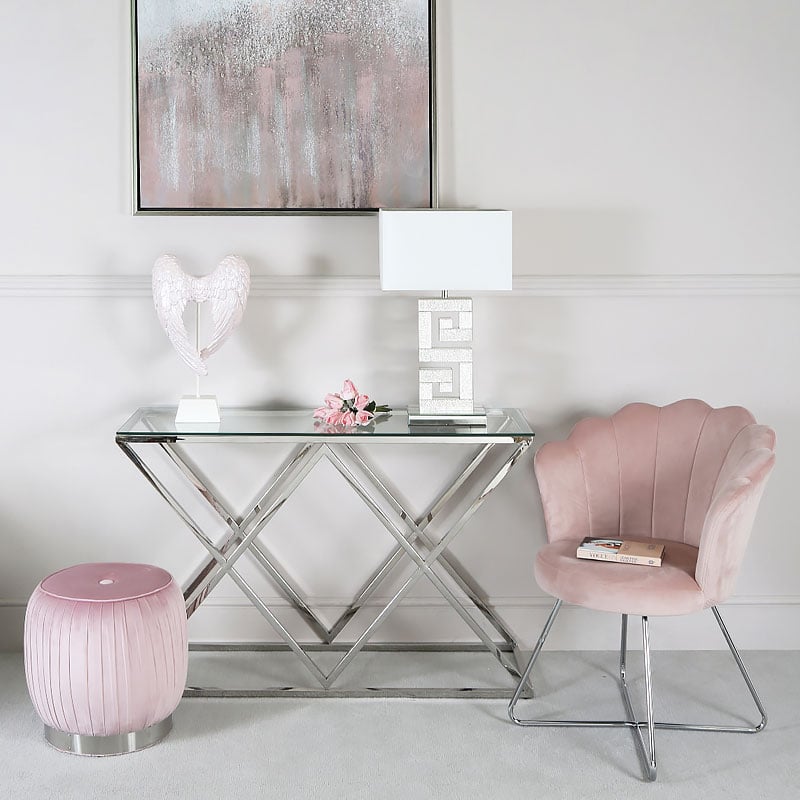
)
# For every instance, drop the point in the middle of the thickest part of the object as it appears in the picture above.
(333, 401)
(363, 417)
(348, 408)
(334, 417)
(348, 390)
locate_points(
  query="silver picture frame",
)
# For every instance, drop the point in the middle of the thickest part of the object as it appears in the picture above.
(154, 160)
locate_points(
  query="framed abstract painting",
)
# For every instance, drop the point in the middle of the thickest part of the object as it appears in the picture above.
(262, 106)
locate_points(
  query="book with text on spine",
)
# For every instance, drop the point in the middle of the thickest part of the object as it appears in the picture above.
(648, 554)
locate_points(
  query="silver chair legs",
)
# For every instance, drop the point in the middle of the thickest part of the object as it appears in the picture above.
(646, 750)
(646, 754)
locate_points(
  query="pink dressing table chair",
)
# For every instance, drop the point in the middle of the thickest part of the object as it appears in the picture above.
(685, 475)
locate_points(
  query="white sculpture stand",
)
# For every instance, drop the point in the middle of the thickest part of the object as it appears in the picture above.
(199, 408)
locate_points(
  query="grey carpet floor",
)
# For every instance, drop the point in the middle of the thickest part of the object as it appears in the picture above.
(374, 748)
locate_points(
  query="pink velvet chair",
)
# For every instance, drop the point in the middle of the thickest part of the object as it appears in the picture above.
(685, 475)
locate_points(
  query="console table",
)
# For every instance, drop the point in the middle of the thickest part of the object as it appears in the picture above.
(494, 451)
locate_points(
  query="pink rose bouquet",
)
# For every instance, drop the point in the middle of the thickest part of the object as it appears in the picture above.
(348, 407)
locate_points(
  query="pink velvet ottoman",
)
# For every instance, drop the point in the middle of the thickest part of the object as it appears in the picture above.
(106, 656)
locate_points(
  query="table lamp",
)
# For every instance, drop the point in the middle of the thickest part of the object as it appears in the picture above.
(445, 250)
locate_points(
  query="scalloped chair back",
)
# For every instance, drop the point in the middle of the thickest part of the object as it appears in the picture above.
(685, 473)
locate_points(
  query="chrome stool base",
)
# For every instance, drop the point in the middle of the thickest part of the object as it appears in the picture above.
(114, 745)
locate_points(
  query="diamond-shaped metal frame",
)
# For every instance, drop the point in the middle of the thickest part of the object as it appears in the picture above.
(427, 557)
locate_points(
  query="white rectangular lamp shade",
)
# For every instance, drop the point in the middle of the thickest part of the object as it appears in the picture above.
(443, 249)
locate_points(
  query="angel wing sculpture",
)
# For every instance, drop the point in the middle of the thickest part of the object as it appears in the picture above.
(226, 288)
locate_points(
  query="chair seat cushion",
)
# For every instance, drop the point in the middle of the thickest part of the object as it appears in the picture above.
(622, 588)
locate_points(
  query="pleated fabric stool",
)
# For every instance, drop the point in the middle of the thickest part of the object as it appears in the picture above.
(106, 656)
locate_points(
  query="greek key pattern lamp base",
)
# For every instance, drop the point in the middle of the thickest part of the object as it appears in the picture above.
(445, 364)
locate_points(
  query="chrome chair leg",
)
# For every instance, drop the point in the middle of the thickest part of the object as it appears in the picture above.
(739, 663)
(524, 679)
(648, 683)
(647, 753)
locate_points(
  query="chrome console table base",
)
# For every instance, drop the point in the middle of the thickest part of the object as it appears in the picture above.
(428, 557)
(405, 692)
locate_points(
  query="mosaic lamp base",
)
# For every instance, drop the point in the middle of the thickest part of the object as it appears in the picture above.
(445, 365)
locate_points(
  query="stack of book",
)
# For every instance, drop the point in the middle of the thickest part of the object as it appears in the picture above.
(648, 554)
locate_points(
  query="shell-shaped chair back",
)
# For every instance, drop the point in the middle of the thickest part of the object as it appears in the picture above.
(684, 472)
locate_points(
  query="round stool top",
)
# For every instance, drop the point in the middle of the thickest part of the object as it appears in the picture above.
(106, 583)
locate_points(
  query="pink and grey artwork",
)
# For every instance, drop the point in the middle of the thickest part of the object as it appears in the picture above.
(283, 104)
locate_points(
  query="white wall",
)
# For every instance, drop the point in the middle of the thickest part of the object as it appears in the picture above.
(649, 153)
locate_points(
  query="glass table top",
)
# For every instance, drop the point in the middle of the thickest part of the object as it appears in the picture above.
(158, 422)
